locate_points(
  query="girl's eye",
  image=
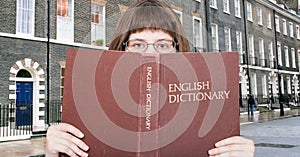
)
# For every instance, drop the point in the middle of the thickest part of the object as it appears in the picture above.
(136, 44)
(162, 46)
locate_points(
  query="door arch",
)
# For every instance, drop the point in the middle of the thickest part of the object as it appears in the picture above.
(28, 76)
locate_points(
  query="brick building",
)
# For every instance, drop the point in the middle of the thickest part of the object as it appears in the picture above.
(272, 45)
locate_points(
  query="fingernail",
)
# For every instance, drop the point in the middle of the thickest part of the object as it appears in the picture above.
(81, 135)
(85, 154)
(86, 148)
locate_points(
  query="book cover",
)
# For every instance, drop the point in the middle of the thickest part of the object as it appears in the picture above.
(151, 105)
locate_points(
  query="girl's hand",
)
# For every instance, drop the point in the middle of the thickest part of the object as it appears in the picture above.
(233, 147)
(65, 138)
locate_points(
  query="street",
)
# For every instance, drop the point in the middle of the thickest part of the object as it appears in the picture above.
(276, 138)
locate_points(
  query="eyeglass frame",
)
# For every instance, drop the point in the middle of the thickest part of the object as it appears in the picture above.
(174, 43)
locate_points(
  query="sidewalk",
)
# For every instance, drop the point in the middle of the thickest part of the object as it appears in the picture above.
(266, 116)
(36, 146)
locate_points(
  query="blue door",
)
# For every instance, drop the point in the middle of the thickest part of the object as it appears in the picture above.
(24, 103)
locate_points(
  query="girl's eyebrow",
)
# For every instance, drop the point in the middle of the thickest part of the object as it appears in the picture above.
(138, 39)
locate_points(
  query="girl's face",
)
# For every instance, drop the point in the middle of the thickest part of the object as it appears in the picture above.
(151, 41)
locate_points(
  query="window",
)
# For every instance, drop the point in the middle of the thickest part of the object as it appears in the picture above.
(179, 14)
(62, 8)
(261, 52)
(25, 17)
(97, 23)
(226, 6)
(237, 8)
(279, 54)
(62, 77)
(269, 20)
(264, 85)
(253, 83)
(271, 54)
(251, 50)
(239, 43)
(259, 16)
(284, 28)
(197, 32)
(249, 12)
(291, 27)
(214, 36)
(227, 37)
(282, 85)
(277, 23)
(293, 53)
(213, 4)
(288, 85)
(287, 59)
(298, 54)
(65, 26)
(298, 32)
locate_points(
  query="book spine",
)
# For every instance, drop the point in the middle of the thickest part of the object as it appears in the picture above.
(149, 100)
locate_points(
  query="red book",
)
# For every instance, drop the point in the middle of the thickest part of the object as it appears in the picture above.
(151, 105)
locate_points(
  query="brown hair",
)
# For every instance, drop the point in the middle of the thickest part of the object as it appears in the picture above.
(153, 15)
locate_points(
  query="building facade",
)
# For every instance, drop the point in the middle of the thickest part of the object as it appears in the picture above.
(34, 39)
(273, 69)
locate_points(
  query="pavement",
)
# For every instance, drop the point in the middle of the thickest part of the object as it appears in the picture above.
(35, 147)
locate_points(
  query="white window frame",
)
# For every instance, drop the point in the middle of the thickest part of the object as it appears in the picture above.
(287, 59)
(228, 39)
(298, 32)
(288, 85)
(279, 54)
(264, 85)
(261, 52)
(277, 23)
(179, 14)
(249, 12)
(269, 20)
(253, 83)
(291, 28)
(213, 4)
(282, 85)
(97, 25)
(23, 14)
(226, 7)
(251, 49)
(61, 34)
(293, 53)
(237, 8)
(215, 37)
(259, 16)
(284, 27)
(195, 39)
(239, 45)
(271, 54)
(298, 53)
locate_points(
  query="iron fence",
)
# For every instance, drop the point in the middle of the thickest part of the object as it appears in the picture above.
(15, 122)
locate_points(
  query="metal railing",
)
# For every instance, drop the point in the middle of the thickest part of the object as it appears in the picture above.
(14, 122)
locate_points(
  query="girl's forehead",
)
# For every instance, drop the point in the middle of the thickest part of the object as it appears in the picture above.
(150, 34)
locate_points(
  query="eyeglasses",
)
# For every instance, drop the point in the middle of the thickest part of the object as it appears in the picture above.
(161, 46)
